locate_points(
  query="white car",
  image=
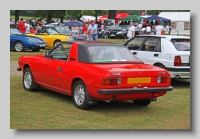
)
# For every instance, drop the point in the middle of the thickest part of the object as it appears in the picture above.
(165, 51)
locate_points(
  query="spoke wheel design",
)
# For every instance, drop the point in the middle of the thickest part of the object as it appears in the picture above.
(80, 95)
(28, 80)
(19, 47)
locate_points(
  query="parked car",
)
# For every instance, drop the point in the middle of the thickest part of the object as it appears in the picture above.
(107, 31)
(119, 32)
(93, 70)
(32, 30)
(122, 30)
(51, 36)
(165, 51)
(20, 42)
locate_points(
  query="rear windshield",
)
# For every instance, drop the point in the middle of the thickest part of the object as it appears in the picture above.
(181, 44)
(111, 54)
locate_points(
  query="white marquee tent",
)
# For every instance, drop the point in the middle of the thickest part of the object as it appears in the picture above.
(180, 21)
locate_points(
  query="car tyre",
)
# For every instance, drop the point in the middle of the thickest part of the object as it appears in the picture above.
(28, 80)
(19, 47)
(143, 102)
(80, 95)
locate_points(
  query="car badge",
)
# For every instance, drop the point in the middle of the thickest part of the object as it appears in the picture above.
(161, 72)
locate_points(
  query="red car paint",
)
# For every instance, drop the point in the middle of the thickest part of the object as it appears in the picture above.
(45, 73)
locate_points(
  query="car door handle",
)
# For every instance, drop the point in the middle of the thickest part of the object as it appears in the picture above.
(156, 55)
(134, 53)
(59, 68)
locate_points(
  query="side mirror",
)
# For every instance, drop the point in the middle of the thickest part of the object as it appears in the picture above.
(47, 53)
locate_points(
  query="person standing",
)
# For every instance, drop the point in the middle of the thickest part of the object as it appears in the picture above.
(159, 30)
(93, 31)
(148, 30)
(27, 25)
(102, 30)
(153, 29)
(84, 30)
(75, 32)
(131, 31)
(38, 28)
(22, 27)
(168, 28)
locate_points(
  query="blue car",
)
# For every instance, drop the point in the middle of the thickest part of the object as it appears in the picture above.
(20, 42)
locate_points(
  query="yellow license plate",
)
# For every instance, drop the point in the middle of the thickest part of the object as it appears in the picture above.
(139, 80)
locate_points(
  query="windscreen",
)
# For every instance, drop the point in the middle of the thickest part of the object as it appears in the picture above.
(111, 54)
(181, 44)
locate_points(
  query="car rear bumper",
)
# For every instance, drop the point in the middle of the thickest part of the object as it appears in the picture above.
(179, 72)
(181, 75)
(134, 90)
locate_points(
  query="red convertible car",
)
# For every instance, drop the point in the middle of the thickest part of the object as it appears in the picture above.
(91, 71)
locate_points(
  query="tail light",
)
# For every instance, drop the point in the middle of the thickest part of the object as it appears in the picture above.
(164, 79)
(177, 61)
(111, 81)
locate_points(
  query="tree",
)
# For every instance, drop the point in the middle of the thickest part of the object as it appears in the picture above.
(17, 15)
(112, 14)
(99, 12)
(77, 14)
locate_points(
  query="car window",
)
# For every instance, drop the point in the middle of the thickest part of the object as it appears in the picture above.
(51, 31)
(111, 54)
(15, 32)
(135, 43)
(60, 52)
(150, 44)
(181, 44)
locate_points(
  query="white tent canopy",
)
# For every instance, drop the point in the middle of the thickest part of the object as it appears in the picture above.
(176, 16)
(180, 21)
(87, 18)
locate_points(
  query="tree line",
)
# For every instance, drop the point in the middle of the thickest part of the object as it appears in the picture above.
(77, 14)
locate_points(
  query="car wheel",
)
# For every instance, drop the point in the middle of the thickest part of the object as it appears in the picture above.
(143, 102)
(28, 81)
(19, 47)
(79, 95)
(56, 43)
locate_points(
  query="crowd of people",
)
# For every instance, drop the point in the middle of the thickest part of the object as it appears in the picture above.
(90, 31)
(156, 29)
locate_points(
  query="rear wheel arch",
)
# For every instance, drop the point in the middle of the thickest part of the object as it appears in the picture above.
(159, 65)
(57, 40)
(74, 81)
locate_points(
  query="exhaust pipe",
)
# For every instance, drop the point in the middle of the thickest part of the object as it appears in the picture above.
(112, 98)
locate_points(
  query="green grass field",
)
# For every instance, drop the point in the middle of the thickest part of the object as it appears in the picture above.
(45, 109)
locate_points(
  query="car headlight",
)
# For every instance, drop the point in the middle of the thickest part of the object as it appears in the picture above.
(119, 32)
(30, 40)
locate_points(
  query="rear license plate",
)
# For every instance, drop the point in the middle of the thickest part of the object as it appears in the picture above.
(139, 80)
(42, 45)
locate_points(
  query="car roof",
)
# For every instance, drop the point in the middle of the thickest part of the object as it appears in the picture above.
(165, 36)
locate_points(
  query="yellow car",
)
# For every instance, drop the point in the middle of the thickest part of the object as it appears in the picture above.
(51, 36)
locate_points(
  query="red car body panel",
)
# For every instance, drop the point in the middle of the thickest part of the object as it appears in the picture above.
(45, 73)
